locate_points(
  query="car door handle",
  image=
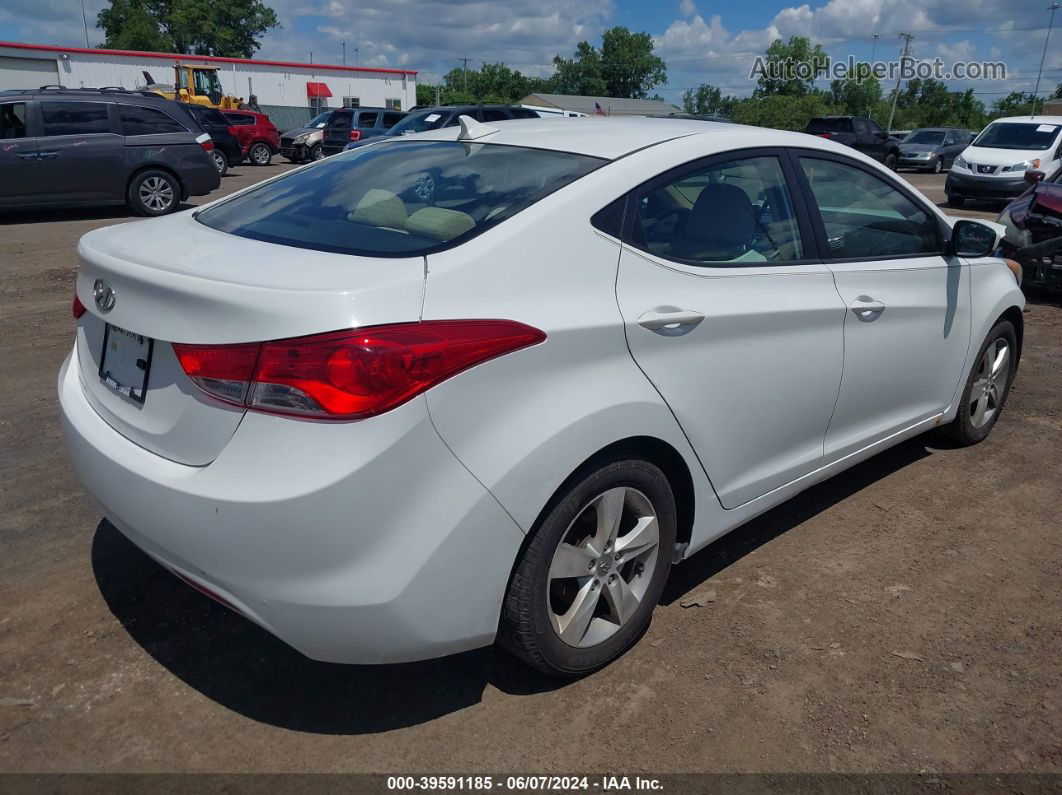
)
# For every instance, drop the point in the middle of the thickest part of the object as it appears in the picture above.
(28, 155)
(47, 155)
(866, 308)
(667, 321)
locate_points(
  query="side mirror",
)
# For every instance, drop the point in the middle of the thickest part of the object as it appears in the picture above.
(1032, 176)
(972, 239)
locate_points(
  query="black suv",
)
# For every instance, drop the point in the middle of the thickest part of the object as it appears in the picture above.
(859, 133)
(446, 116)
(227, 149)
(357, 124)
(101, 146)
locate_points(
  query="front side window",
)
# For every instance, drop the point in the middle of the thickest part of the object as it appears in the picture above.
(865, 217)
(137, 120)
(873, 128)
(75, 118)
(738, 212)
(1032, 137)
(13, 120)
(400, 199)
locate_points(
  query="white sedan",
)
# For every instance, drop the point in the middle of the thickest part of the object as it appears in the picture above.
(493, 382)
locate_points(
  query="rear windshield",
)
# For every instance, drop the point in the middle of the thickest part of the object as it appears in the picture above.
(1031, 136)
(422, 122)
(399, 198)
(930, 137)
(830, 125)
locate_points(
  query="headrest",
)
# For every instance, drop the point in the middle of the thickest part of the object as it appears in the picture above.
(439, 223)
(722, 215)
(380, 208)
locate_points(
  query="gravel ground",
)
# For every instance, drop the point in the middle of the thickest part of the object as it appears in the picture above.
(902, 617)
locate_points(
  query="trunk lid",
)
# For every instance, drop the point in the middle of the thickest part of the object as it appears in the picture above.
(176, 280)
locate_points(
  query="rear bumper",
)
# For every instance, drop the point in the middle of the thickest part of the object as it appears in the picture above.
(354, 542)
(199, 177)
(916, 162)
(972, 186)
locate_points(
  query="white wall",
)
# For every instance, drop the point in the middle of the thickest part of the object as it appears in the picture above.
(274, 85)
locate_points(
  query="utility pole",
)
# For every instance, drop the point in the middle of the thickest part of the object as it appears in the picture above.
(84, 21)
(465, 70)
(873, 59)
(1036, 94)
(344, 53)
(896, 95)
(874, 49)
(356, 61)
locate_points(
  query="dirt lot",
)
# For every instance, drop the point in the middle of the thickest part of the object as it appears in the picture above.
(902, 617)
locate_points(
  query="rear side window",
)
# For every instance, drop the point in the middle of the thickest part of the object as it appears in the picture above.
(524, 113)
(13, 120)
(367, 119)
(734, 213)
(829, 125)
(137, 120)
(493, 114)
(400, 199)
(75, 118)
(240, 119)
(391, 119)
(865, 217)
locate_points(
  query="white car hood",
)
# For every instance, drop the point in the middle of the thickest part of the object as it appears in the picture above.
(987, 156)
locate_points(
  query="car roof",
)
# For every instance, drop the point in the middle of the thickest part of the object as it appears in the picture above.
(1030, 120)
(613, 137)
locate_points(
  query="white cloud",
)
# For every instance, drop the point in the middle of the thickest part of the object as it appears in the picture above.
(687, 8)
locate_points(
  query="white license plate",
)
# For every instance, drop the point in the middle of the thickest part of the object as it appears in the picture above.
(126, 362)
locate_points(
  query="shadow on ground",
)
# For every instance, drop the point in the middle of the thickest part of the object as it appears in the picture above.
(245, 669)
(53, 215)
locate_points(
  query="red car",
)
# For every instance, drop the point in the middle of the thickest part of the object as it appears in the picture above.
(259, 139)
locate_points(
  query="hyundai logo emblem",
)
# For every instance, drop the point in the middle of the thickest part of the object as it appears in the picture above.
(104, 295)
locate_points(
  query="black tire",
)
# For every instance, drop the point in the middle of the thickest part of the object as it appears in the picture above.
(153, 192)
(315, 153)
(526, 629)
(956, 201)
(938, 166)
(963, 430)
(221, 163)
(891, 161)
(260, 154)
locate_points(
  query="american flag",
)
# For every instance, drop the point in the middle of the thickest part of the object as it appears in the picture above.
(598, 110)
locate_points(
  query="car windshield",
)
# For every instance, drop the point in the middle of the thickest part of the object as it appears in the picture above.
(1030, 136)
(421, 122)
(829, 125)
(320, 120)
(930, 137)
(400, 199)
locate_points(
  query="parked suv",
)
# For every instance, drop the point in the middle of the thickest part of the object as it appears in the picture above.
(859, 133)
(227, 149)
(446, 116)
(933, 148)
(304, 143)
(92, 146)
(258, 137)
(357, 124)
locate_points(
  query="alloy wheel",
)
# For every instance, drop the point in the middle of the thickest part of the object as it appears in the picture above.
(989, 384)
(219, 161)
(602, 567)
(260, 154)
(156, 193)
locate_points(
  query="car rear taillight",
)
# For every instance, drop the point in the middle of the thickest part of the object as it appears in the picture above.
(208, 145)
(78, 309)
(348, 375)
(355, 135)
(823, 135)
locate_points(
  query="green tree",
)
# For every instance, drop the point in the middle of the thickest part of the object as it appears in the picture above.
(1058, 92)
(624, 66)
(790, 68)
(1016, 103)
(229, 28)
(780, 111)
(704, 100)
(858, 94)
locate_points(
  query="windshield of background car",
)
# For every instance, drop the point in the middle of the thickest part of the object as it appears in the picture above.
(398, 199)
(829, 125)
(422, 122)
(1016, 135)
(928, 137)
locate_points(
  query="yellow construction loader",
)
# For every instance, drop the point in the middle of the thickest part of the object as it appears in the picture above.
(196, 85)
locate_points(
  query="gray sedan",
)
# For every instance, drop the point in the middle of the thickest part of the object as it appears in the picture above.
(933, 148)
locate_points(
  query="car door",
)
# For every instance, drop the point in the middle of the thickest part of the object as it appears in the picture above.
(337, 131)
(366, 123)
(952, 147)
(732, 318)
(80, 151)
(18, 155)
(907, 327)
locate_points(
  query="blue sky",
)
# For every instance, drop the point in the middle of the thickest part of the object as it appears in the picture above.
(702, 41)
